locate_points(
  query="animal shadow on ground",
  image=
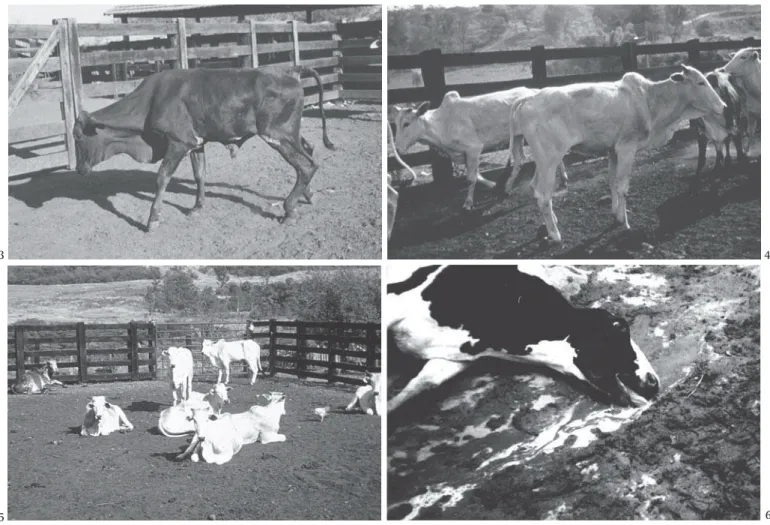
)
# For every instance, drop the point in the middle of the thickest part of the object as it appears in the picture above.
(170, 456)
(340, 113)
(75, 430)
(99, 186)
(145, 406)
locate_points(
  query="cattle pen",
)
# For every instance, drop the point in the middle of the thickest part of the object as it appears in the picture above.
(342, 54)
(674, 217)
(335, 352)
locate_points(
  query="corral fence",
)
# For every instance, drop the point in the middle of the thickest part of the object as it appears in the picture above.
(434, 65)
(76, 70)
(336, 352)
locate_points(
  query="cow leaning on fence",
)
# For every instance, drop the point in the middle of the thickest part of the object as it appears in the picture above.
(368, 396)
(36, 381)
(218, 438)
(180, 372)
(103, 418)
(175, 113)
(222, 353)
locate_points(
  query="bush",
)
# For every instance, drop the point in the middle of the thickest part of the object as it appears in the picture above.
(704, 29)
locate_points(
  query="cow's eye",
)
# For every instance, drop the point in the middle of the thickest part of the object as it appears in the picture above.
(701, 83)
(406, 125)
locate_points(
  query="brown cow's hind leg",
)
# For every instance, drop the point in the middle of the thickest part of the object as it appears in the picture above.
(302, 163)
(198, 159)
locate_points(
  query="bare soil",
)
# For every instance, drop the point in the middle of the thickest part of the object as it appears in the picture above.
(672, 215)
(61, 215)
(513, 443)
(326, 470)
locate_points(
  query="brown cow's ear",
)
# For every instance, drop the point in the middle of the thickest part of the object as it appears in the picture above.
(755, 56)
(677, 77)
(425, 106)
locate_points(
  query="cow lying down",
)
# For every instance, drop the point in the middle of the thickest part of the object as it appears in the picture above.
(173, 421)
(218, 438)
(367, 396)
(36, 381)
(103, 418)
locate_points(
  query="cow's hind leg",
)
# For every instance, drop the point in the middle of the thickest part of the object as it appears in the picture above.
(198, 159)
(308, 147)
(304, 165)
(174, 155)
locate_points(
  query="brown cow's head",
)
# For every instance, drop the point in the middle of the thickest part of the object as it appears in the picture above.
(89, 146)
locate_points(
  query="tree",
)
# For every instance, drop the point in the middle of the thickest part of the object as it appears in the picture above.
(223, 277)
(557, 19)
(676, 14)
(523, 14)
(640, 14)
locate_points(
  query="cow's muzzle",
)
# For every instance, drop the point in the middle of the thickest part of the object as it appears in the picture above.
(83, 169)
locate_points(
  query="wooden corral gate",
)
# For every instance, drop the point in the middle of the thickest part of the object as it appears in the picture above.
(337, 352)
(81, 71)
(433, 64)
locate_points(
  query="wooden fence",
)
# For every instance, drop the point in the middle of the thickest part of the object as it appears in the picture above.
(433, 65)
(79, 71)
(336, 352)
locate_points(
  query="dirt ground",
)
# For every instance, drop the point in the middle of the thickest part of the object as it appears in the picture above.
(509, 443)
(672, 215)
(326, 470)
(62, 215)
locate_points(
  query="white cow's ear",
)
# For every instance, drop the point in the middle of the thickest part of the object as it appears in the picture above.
(731, 55)
(566, 339)
(425, 106)
(107, 405)
(90, 406)
(677, 77)
(755, 56)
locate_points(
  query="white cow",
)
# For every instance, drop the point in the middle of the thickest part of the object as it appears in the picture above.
(222, 353)
(218, 438)
(462, 128)
(747, 66)
(103, 418)
(624, 116)
(367, 396)
(180, 372)
(36, 381)
(173, 421)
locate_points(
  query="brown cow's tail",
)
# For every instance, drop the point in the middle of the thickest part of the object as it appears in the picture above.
(303, 69)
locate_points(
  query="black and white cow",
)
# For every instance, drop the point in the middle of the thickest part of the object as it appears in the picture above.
(450, 316)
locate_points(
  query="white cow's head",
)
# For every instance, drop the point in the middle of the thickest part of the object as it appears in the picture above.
(744, 62)
(50, 368)
(200, 416)
(211, 349)
(221, 390)
(276, 401)
(100, 407)
(697, 91)
(409, 124)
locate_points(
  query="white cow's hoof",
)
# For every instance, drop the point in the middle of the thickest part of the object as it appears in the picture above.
(194, 457)
(369, 412)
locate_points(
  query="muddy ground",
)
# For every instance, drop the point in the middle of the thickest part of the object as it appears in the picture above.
(672, 215)
(62, 215)
(326, 470)
(505, 442)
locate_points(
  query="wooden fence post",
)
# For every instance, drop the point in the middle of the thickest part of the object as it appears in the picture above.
(693, 53)
(272, 330)
(432, 68)
(153, 341)
(133, 346)
(750, 42)
(295, 40)
(72, 83)
(332, 353)
(253, 43)
(539, 72)
(371, 343)
(80, 336)
(19, 333)
(628, 57)
(300, 349)
(181, 31)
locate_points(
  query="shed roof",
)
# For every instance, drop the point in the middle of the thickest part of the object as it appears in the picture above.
(211, 10)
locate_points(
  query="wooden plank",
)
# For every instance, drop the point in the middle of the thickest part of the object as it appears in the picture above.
(29, 76)
(133, 342)
(328, 96)
(111, 88)
(355, 43)
(29, 31)
(19, 348)
(374, 60)
(111, 57)
(253, 44)
(361, 77)
(50, 340)
(272, 351)
(98, 378)
(68, 72)
(82, 354)
(295, 41)
(48, 328)
(325, 79)
(371, 347)
(361, 94)
(35, 132)
(322, 62)
(77, 77)
(318, 45)
(181, 43)
(491, 57)
(219, 52)
(160, 29)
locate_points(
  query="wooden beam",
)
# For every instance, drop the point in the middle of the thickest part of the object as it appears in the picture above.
(68, 90)
(295, 40)
(253, 43)
(32, 71)
(181, 31)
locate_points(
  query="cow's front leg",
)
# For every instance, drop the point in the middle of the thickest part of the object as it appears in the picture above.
(198, 158)
(124, 422)
(175, 396)
(353, 403)
(472, 175)
(271, 437)
(434, 373)
(227, 373)
(190, 449)
(174, 155)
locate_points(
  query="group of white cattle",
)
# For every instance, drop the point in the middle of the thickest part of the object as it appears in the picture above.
(216, 436)
(619, 117)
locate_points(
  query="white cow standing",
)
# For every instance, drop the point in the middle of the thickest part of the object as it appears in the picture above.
(180, 372)
(103, 418)
(222, 353)
(218, 438)
(367, 396)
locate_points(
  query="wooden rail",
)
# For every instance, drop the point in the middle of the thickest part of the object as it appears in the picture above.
(433, 65)
(117, 68)
(337, 352)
